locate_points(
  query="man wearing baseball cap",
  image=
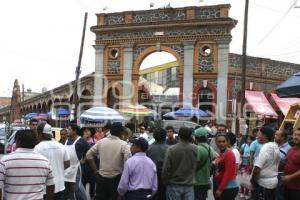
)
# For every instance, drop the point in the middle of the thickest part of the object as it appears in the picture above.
(56, 154)
(139, 178)
(204, 157)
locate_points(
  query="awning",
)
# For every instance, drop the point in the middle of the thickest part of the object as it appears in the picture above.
(259, 103)
(284, 103)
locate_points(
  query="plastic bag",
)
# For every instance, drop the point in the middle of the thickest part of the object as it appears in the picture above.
(244, 180)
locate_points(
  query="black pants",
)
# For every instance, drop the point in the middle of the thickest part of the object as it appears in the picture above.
(106, 188)
(91, 188)
(69, 193)
(56, 196)
(261, 193)
(161, 189)
(291, 194)
(200, 192)
(228, 194)
(138, 195)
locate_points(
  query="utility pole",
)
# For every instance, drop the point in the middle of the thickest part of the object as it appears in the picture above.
(244, 58)
(78, 71)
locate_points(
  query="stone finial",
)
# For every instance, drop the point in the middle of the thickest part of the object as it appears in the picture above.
(224, 11)
(100, 19)
(190, 13)
(128, 17)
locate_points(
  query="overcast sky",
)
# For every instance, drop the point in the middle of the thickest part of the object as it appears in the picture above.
(40, 39)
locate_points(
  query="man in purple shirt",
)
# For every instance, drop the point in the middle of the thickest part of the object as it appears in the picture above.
(139, 177)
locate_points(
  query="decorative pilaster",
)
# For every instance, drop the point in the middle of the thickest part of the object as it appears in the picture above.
(189, 47)
(99, 76)
(127, 71)
(223, 57)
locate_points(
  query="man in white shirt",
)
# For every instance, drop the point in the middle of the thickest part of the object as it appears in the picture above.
(265, 171)
(57, 156)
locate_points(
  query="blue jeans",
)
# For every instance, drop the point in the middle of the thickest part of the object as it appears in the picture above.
(80, 193)
(180, 192)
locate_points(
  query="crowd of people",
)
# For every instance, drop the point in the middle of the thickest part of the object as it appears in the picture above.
(119, 162)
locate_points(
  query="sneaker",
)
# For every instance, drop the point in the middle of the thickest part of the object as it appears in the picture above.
(247, 197)
(242, 195)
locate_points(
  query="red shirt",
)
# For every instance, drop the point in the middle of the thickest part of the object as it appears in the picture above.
(292, 166)
(225, 169)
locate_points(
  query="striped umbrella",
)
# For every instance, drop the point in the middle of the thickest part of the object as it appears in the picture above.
(100, 115)
(136, 110)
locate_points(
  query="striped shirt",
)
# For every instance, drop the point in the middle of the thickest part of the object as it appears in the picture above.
(24, 175)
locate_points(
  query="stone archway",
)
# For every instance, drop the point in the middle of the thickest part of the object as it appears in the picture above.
(49, 105)
(198, 37)
(146, 52)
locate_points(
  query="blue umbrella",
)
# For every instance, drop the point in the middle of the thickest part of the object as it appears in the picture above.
(190, 112)
(29, 116)
(290, 87)
(61, 112)
(169, 115)
(100, 115)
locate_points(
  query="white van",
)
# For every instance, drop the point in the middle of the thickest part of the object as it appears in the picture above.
(177, 124)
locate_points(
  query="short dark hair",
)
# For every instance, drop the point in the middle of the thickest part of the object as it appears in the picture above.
(222, 135)
(159, 134)
(64, 130)
(221, 125)
(232, 138)
(170, 127)
(27, 139)
(268, 132)
(185, 133)
(117, 129)
(33, 120)
(75, 128)
(131, 126)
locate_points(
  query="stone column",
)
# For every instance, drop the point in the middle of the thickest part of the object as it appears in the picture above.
(223, 58)
(99, 74)
(188, 72)
(127, 73)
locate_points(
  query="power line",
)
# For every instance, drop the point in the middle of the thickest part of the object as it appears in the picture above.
(273, 28)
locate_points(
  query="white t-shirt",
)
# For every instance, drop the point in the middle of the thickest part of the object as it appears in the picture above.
(56, 154)
(236, 155)
(268, 161)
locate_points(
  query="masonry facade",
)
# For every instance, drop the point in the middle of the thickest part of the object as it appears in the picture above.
(198, 37)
